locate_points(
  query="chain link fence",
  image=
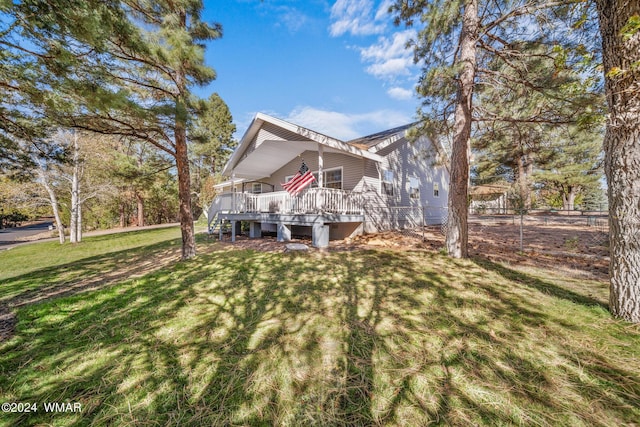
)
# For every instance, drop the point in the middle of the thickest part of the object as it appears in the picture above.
(414, 221)
(545, 229)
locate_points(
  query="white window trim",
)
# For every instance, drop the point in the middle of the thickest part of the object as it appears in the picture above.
(315, 173)
(436, 187)
(324, 181)
(417, 180)
(383, 181)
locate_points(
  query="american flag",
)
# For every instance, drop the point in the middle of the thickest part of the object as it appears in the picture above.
(300, 181)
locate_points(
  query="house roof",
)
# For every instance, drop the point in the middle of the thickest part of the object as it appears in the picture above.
(228, 183)
(271, 155)
(370, 142)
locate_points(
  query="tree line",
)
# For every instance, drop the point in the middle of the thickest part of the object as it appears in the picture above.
(76, 72)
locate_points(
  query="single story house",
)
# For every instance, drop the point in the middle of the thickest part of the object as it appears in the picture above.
(364, 185)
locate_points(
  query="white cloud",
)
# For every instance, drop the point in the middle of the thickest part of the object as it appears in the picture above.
(400, 93)
(390, 57)
(390, 47)
(346, 126)
(292, 18)
(356, 17)
(383, 10)
(390, 68)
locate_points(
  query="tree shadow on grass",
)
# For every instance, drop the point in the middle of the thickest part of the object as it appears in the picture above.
(92, 273)
(366, 338)
(538, 284)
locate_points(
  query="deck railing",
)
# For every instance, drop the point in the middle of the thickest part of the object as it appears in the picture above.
(312, 200)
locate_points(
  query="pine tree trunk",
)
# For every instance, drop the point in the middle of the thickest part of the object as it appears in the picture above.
(457, 235)
(622, 155)
(123, 219)
(523, 182)
(140, 202)
(184, 194)
(569, 198)
(182, 159)
(182, 164)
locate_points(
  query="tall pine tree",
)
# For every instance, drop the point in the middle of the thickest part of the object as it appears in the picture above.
(212, 145)
(620, 30)
(124, 68)
(456, 41)
(571, 165)
(531, 105)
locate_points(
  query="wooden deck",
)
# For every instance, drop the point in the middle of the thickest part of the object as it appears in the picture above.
(311, 201)
(315, 207)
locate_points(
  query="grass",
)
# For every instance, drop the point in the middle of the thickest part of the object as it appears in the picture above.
(35, 266)
(237, 337)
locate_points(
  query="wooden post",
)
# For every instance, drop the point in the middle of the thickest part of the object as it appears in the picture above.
(320, 165)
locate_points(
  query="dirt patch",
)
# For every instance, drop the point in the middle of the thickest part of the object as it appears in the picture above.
(577, 248)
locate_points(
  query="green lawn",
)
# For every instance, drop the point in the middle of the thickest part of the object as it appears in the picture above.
(352, 338)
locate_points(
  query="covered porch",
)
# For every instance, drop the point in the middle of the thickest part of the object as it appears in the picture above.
(269, 154)
(315, 208)
(310, 201)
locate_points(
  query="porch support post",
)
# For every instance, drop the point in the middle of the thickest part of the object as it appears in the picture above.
(233, 192)
(284, 233)
(319, 195)
(255, 230)
(233, 231)
(320, 165)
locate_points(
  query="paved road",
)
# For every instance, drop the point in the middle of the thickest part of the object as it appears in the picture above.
(9, 236)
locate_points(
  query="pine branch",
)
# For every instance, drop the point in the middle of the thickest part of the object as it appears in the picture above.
(488, 116)
(25, 50)
(124, 129)
(527, 9)
(140, 83)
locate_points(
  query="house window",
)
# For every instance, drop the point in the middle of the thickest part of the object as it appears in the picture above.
(414, 188)
(332, 178)
(436, 189)
(256, 188)
(387, 182)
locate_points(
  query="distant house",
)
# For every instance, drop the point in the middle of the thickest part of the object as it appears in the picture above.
(365, 185)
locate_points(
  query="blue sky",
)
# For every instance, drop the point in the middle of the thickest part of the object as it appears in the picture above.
(337, 67)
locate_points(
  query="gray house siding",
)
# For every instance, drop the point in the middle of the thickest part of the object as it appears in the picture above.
(352, 168)
(407, 160)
